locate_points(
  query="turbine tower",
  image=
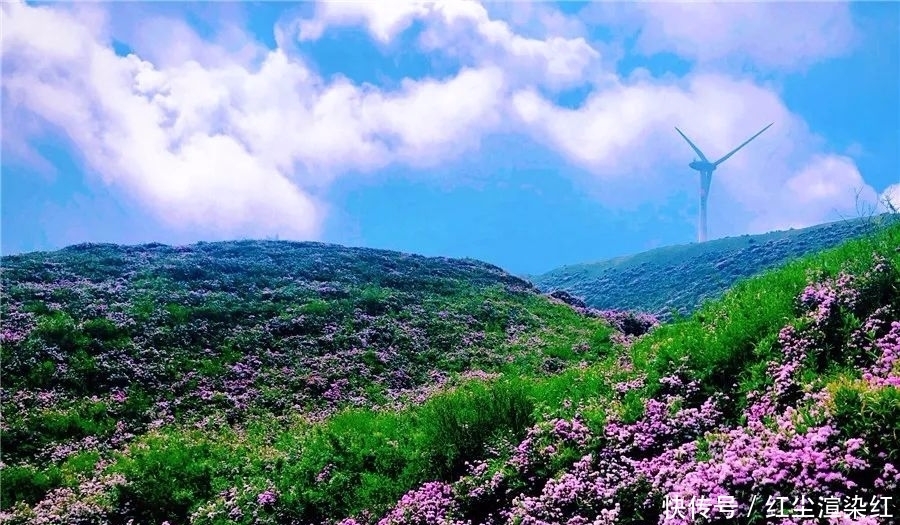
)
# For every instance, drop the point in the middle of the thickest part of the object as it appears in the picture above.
(706, 169)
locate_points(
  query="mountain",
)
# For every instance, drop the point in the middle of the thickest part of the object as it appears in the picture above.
(276, 383)
(680, 278)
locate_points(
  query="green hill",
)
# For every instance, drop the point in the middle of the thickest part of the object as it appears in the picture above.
(101, 343)
(679, 278)
(276, 383)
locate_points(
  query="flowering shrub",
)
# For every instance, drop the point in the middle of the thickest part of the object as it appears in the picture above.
(886, 370)
(90, 501)
(432, 504)
(251, 504)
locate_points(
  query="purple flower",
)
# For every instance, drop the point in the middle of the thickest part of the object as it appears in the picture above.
(432, 504)
(268, 497)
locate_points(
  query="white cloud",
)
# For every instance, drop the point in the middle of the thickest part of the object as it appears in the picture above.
(537, 19)
(554, 61)
(169, 42)
(222, 146)
(465, 29)
(431, 116)
(114, 111)
(779, 35)
(383, 19)
(828, 186)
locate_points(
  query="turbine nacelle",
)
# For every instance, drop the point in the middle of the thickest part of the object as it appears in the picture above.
(699, 165)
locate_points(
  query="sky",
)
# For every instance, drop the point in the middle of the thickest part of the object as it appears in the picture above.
(525, 134)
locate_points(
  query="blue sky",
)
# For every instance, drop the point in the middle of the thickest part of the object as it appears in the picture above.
(526, 134)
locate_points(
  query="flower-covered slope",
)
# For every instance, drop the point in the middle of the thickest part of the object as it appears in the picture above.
(778, 403)
(103, 343)
(815, 437)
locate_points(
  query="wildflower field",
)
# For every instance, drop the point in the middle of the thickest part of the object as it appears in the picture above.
(275, 382)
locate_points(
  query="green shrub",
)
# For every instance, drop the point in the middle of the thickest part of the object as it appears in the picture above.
(27, 484)
(457, 425)
(170, 474)
(872, 414)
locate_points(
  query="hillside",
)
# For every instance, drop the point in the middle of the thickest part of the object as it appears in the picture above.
(102, 343)
(787, 386)
(679, 278)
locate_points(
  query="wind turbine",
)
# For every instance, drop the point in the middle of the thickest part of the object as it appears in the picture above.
(706, 169)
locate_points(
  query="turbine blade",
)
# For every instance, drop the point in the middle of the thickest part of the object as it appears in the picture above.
(695, 148)
(735, 150)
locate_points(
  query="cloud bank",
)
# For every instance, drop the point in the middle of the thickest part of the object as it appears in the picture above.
(225, 136)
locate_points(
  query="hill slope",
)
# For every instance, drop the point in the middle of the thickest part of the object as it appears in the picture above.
(788, 387)
(233, 320)
(680, 278)
(102, 343)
